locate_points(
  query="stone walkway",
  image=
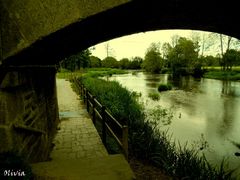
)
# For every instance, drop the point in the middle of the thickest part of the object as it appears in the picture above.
(77, 137)
(78, 152)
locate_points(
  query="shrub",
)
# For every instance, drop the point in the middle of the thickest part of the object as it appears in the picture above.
(164, 87)
(117, 99)
(154, 96)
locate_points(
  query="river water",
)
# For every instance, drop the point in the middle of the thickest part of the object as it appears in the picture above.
(206, 112)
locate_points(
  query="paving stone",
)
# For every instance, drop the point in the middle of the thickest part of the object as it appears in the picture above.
(77, 136)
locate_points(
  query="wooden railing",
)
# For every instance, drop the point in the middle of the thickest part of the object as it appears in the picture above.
(99, 112)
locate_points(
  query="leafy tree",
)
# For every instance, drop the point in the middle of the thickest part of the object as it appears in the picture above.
(209, 60)
(184, 56)
(110, 62)
(166, 49)
(75, 62)
(124, 63)
(95, 61)
(153, 61)
(135, 63)
(231, 58)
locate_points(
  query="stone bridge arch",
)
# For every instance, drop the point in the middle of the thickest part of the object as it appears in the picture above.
(37, 32)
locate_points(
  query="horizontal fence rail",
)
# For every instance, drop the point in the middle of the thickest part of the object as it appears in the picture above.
(98, 111)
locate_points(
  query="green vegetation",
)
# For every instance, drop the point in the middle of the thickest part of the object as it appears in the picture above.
(154, 96)
(117, 99)
(133, 63)
(182, 56)
(153, 61)
(223, 75)
(159, 115)
(66, 74)
(110, 62)
(99, 72)
(164, 87)
(75, 62)
(146, 142)
(92, 72)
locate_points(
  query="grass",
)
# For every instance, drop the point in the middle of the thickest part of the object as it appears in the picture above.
(146, 142)
(66, 74)
(234, 68)
(223, 75)
(154, 96)
(92, 72)
(104, 72)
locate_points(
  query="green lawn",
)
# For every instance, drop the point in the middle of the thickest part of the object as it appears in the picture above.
(217, 73)
(93, 72)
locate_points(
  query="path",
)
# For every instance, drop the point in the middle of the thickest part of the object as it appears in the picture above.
(79, 152)
(77, 137)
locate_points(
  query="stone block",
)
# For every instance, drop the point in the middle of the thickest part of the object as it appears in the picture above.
(11, 80)
(2, 109)
(5, 139)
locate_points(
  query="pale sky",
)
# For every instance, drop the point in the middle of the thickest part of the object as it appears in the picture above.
(136, 44)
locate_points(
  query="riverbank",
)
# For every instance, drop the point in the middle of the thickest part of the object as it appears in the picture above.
(146, 143)
(223, 75)
(93, 72)
(216, 72)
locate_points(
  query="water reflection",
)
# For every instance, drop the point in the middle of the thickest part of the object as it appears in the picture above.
(228, 89)
(201, 106)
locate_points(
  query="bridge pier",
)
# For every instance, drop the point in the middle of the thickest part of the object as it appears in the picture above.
(28, 110)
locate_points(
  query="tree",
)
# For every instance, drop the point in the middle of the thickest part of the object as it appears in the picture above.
(210, 60)
(110, 62)
(203, 39)
(223, 43)
(153, 61)
(174, 40)
(231, 58)
(124, 63)
(184, 56)
(75, 62)
(166, 49)
(95, 61)
(135, 63)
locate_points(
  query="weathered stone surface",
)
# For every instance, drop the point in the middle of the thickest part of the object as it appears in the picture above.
(45, 32)
(26, 21)
(5, 138)
(28, 106)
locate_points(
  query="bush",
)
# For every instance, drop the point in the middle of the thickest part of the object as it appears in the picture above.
(164, 87)
(117, 99)
(154, 96)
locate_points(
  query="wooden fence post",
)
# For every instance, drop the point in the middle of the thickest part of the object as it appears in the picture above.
(103, 125)
(81, 89)
(94, 105)
(125, 140)
(87, 101)
(84, 95)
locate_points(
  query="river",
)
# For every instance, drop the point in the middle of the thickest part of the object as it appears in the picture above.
(206, 112)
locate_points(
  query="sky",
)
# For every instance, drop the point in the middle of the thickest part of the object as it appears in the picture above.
(136, 44)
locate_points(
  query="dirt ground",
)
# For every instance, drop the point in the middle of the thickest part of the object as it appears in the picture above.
(145, 171)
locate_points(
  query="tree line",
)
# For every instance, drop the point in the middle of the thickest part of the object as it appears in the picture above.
(182, 56)
(84, 59)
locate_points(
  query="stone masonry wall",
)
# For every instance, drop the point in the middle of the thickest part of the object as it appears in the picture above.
(28, 112)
